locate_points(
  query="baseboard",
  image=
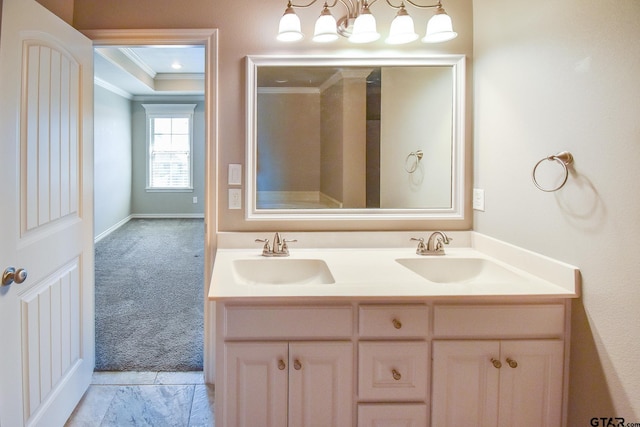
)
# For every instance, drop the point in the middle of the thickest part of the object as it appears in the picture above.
(170, 215)
(112, 229)
(142, 216)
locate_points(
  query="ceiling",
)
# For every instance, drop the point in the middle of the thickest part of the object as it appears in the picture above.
(147, 70)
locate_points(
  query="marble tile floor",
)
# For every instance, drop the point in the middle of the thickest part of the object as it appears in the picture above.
(158, 399)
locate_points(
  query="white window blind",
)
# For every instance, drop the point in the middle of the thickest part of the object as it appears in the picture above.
(169, 145)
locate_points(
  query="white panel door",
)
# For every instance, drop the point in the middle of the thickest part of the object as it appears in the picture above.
(46, 221)
(531, 383)
(465, 383)
(320, 384)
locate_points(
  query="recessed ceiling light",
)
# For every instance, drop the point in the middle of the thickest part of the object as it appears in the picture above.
(176, 65)
(282, 81)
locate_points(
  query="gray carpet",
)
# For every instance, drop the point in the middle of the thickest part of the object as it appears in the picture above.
(150, 297)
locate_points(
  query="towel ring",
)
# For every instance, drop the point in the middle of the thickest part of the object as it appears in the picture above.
(411, 165)
(563, 158)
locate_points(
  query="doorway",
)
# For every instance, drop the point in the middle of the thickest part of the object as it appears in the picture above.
(175, 40)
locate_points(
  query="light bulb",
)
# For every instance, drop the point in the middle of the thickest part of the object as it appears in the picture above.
(289, 29)
(364, 28)
(439, 28)
(325, 29)
(402, 29)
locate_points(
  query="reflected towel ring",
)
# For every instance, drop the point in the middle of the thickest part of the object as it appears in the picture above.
(412, 161)
(564, 158)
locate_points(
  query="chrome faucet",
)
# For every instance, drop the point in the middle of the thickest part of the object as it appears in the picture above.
(435, 244)
(279, 247)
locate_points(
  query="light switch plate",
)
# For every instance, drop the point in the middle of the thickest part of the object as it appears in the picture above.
(235, 174)
(478, 199)
(235, 198)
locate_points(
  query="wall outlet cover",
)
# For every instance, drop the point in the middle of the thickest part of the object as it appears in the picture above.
(235, 198)
(478, 199)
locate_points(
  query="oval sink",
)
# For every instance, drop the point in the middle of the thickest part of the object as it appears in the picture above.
(460, 270)
(282, 271)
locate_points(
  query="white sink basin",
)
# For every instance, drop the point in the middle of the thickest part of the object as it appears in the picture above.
(460, 270)
(282, 271)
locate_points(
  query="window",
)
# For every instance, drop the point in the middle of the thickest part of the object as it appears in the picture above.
(169, 146)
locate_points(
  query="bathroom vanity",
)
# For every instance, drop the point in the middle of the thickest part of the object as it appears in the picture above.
(361, 336)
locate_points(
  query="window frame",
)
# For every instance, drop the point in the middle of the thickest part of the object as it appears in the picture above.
(154, 111)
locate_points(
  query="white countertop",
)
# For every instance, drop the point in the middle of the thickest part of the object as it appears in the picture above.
(370, 273)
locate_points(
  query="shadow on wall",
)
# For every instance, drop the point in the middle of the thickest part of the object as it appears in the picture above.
(585, 357)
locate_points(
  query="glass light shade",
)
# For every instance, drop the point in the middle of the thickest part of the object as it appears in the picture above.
(325, 29)
(402, 30)
(439, 28)
(364, 29)
(289, 29)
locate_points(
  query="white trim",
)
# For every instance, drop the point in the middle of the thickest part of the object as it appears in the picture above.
(154, 111)
(267, 90)
(111, 229)
(168, 98)
(111, 88)
(170, 109)
(133, 57)
(168, 216)
(180, 76)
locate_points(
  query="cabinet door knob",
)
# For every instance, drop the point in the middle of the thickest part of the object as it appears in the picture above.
(512, 363)
(281, 365)
(396, 375)
(396, 323)
(496, 363)
(297, 365)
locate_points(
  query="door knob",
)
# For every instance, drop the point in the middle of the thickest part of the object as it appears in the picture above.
(11, 275)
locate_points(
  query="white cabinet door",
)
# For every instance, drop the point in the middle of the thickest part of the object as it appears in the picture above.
(320, 384)
(465, 384)
(531, 383)
(497, 383)
(256, 384)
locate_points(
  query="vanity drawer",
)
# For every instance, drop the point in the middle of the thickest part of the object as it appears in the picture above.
(393, 371)
(288, 322)
(496, 321)
(394, 321)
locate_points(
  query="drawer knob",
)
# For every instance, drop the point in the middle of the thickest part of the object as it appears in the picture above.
(512, 363)
(396, 375)
(396, 323)
(496, 363)
(281, 365)
(297, 365)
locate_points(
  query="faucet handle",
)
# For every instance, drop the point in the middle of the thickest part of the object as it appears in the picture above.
(266, 249)
(422, 248)
(285, 248)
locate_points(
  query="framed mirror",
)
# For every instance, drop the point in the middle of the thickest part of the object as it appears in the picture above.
(355, 138)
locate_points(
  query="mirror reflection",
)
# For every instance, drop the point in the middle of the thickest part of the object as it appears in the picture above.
(367, 137)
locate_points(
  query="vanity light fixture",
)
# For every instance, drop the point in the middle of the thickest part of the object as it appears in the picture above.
(359, 24)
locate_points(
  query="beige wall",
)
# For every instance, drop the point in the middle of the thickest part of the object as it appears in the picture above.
(552, 76)
(288, 142)
(428, 92)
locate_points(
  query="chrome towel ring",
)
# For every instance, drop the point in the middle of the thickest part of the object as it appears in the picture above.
(564, 159)
(412, 161)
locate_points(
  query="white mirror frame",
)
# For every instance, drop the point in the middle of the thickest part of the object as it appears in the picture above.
(455, 212)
